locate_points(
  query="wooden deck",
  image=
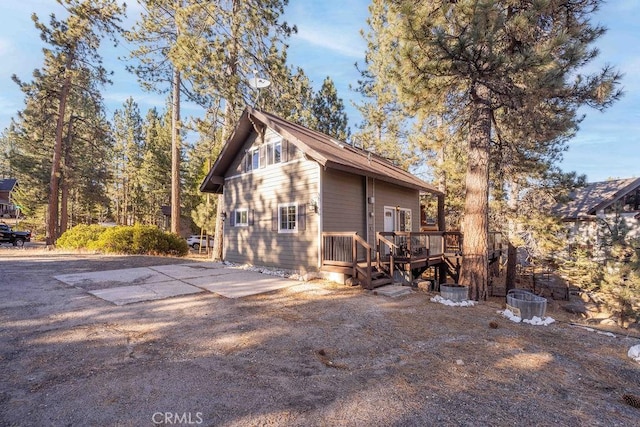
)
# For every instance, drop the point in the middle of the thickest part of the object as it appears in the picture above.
(405, 253)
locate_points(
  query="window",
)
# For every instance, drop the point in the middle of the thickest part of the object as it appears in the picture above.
(246, 164)
(241, 217)
(287, 218)
(405, 220)
(277, 152)
(255, 159)
(274, 152)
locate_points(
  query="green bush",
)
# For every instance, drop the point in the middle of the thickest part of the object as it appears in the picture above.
(80, 236)
(136, 240)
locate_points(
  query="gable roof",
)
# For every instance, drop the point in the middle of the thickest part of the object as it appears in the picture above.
(325, 150)
(595, 196)
(7, 184)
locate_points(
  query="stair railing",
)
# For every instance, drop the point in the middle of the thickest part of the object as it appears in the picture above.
(381, 242)
(358, 270)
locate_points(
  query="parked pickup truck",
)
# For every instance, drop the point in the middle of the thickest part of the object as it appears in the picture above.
(16, 238)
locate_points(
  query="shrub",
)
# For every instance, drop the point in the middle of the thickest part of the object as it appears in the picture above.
(134, 240)
(80, 236)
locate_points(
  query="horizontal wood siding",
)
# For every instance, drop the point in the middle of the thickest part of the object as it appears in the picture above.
(343, 202)
(260, 192)
(393, 195)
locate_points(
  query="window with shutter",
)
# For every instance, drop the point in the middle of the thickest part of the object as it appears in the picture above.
(288, 218)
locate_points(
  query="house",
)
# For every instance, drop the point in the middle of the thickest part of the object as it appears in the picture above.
(7, 208)
(598, 203)
(300, 200)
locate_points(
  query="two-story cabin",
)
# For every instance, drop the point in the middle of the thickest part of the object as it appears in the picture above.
(298, 199)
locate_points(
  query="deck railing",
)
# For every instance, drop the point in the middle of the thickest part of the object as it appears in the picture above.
(347, 251)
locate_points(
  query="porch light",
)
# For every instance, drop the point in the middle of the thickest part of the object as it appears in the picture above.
(223, 215)
(313, 205)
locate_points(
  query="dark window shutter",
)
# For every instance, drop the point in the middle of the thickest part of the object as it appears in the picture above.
(232, 219)
(292, 152)
(251, 216)
(302, 217)
(274, 220)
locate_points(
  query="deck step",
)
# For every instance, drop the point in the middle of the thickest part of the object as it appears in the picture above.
(376, 283)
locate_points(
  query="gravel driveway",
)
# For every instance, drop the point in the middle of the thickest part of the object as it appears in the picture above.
(311, 354)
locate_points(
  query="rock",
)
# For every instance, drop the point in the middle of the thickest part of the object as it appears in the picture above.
(576, 307)
(425, 285)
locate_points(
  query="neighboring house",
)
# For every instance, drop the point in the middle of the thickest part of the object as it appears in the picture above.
(7, 208)
(290, 193)
(598, 203)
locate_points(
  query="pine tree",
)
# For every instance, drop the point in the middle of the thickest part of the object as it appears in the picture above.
(156, 35)
(386, 125)
(156, 160)
(72, 50)
(499, 68)
(128, 152)
(328, 114)
(222, 45)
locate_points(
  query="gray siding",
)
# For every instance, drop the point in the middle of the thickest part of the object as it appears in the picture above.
(392, 195)
(260, 192)
(343, 202)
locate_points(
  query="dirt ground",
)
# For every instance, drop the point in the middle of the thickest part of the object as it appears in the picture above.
(314, 354)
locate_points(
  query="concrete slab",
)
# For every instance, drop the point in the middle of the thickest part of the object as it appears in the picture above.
(148, 292)
(164, 281)
(241, 283)
(393, 291)
(111, 278)
(187, 271)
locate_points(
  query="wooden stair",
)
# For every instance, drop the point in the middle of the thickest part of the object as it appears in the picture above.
(378, 278)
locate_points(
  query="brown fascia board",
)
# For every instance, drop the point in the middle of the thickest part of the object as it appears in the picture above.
(616, 196)
(229, 151)
(383, 177)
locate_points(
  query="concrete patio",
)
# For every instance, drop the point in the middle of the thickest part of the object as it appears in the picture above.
(133, 285)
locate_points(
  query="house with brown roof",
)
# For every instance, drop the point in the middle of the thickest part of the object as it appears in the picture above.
(298, 199)
(7, 208)
(598, 203)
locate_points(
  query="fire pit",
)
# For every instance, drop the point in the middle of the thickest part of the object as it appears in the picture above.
(525, 304)
(455, 293)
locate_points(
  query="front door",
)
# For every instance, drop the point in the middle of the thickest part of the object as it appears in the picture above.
(389, 219)
(389, 225)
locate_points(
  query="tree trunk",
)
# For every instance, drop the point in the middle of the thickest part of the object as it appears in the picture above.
(52, 224)
(512, 251)
(216, 253)
(475, 268)
(175, 154)
(64, 197)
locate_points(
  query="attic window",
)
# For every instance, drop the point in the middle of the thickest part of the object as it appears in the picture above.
(274, 152)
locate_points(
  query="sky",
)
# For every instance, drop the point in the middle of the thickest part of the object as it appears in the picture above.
(328, 43)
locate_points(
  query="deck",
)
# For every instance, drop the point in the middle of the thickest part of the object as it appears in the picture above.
(407, 254)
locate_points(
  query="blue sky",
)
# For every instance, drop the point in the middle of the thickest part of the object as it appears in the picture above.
(328, 43)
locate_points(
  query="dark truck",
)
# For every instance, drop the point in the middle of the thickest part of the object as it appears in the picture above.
(16, 238)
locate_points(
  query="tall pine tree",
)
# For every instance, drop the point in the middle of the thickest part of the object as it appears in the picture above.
(498, 68)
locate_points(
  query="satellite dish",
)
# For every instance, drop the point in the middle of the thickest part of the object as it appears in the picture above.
(259, 83)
